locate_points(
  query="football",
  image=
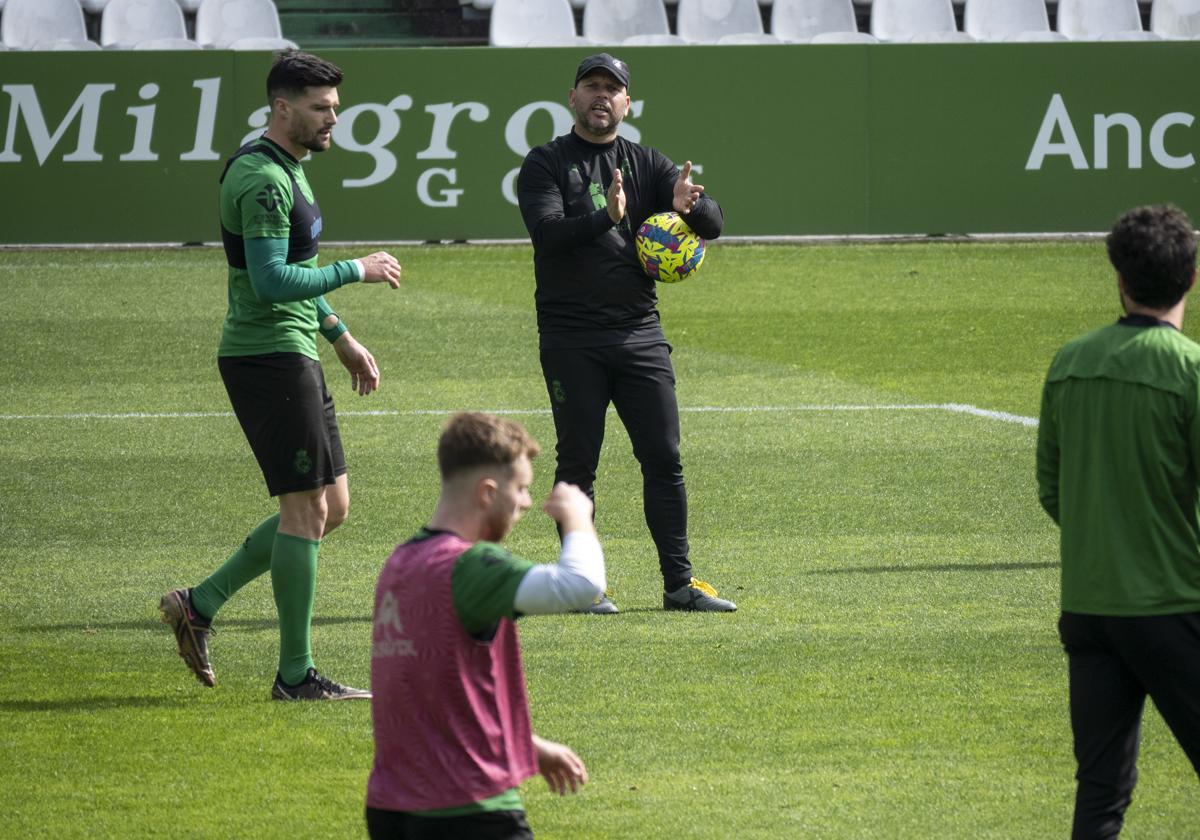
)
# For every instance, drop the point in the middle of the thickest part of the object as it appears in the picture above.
(668, 249)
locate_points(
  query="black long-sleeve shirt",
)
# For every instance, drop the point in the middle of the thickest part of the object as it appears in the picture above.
(591, 290)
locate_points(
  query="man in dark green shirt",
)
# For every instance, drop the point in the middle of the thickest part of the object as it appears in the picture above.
(1118, 468)
(270, 226)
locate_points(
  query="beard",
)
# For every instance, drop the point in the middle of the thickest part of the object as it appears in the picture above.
(598, 122)
(314, 140)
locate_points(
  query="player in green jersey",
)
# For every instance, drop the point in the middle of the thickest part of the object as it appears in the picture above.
(270, 226)
(1118, 468)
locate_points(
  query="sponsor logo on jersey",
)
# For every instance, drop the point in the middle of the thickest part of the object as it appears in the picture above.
(387, 627)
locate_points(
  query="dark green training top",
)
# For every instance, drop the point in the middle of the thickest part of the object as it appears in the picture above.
(1118, 457)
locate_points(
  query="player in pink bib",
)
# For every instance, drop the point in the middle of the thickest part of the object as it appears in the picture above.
(453, 739)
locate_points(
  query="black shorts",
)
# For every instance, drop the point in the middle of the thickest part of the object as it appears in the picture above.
(486, 825)
(287, 414)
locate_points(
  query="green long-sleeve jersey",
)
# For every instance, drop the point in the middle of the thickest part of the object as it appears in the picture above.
(1118, 457)
(271, 225)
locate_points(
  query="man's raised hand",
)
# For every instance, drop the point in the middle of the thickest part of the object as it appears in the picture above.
(686, 193)
(616, 197)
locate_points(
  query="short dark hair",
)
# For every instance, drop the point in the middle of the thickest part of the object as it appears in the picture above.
(474, 439)
(1153, 248)
(294, 70)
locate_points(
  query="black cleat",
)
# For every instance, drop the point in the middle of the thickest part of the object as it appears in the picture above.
(316, 687)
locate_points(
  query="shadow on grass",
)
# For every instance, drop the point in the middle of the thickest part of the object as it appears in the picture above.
(146, 624)
(87, 704)
(940, 567)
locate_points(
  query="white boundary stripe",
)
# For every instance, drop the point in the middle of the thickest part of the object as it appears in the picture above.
(955, 408)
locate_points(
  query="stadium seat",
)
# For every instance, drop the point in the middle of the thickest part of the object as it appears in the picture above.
(519, 23)
(1087, 20)
(1175, 18)
(127, 22)
(28, 22)
(946, 36)
(1129, 35)
(65, 45)
(1035, 37)
(996, 20)
(800, 20)
(844, 38)
(221, 22)
(612, 21)
(741, 38)
(654, 41)
(167, 44)
(704, 21)
(264, 44)
(900, 20)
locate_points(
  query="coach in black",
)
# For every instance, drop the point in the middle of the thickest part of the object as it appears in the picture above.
(583, 197)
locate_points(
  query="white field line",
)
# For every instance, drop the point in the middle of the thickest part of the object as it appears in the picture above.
(954, 408)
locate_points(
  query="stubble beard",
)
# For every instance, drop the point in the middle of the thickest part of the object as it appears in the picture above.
(314, 141)
(609, 121)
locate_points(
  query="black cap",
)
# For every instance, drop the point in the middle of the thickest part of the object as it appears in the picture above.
(616, 68)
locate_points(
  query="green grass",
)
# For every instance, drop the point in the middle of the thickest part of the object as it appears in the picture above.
(893, 669)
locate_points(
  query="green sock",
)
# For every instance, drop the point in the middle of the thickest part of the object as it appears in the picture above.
(294, 582)
(244, 565)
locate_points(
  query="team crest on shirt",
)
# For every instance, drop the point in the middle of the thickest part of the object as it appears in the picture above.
(269, 197)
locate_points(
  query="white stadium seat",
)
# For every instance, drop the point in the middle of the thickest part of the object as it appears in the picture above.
(654, 41)
(1035, 37)
(1175, 18)
(221, 22)
(1129, 35)
(167, 44)
(944, 36)
(1087, 20)
(612, 21)
(996, 20)
(519, 23)
(844, 38)
(29, 22)
(66, 45)
(796, 20)
(264, 44)
(741, 38)
(899, 20)
(704, 21)
(126, 22)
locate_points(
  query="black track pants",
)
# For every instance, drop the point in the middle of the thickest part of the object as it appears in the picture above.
(1113, 663)
(639, 381)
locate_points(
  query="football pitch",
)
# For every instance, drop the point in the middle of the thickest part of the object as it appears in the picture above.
(858, 443)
